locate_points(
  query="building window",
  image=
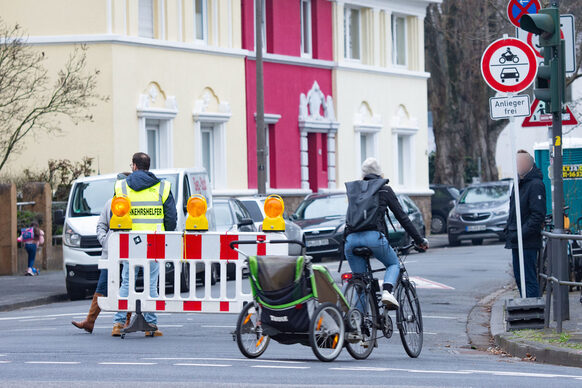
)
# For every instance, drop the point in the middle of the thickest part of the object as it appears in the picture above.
(153, 142)
(366, 146)
(352, 34)
(208, 150)
(399, 40)
(146, 19)
(306, 28)
(200, 20)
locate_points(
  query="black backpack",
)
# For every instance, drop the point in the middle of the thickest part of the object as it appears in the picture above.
(364, 204)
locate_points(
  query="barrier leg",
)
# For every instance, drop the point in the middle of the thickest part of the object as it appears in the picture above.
(138, 322)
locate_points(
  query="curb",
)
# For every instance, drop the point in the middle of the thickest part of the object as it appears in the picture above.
(546, 353)
(34, 302)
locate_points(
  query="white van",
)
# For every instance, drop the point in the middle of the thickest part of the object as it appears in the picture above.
(81, 249)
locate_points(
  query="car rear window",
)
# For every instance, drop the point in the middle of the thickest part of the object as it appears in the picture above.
(254, 210)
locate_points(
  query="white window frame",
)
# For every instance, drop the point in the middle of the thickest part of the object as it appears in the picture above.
(214, 143)
(153, 25)
(394, 38)
(348, 55)
(371, 133)
(408, 136)
(156, 129)
(309, 38)
(204, 39)
(218, 122)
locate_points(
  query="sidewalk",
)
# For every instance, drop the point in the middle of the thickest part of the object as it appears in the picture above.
(541, 345)
(25, 291)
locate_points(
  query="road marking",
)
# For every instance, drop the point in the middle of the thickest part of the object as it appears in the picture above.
(280, 366)
(429, 284)
(219, 326)
(45, 316)
(170, 325)
(36, 319)
(522, 374)
(33, 329)
(212, 365)
(5, 362)
(220, 359)
(127, 363)
(438, 317)
(53, 362)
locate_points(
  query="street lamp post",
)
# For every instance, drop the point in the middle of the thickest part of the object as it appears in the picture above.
(260, 120)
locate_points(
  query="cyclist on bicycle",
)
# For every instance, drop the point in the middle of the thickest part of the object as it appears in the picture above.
(369, 200)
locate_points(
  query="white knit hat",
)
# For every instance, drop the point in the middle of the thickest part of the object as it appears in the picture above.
(371, 166)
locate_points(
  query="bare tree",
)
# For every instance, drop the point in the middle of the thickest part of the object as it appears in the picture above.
(29, 101)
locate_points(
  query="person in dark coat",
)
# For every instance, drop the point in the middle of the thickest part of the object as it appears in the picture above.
(532, 196)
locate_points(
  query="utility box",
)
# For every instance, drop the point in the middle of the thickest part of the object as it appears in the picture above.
(571, 173)
(524, 313)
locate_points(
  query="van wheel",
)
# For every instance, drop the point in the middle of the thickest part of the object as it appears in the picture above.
(214, 273)
(185, 278)
(75, 293)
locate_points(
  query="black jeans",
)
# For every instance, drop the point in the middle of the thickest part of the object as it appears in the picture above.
(530, 258)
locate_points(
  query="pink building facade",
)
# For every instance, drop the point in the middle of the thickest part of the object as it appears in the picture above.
(299, 110)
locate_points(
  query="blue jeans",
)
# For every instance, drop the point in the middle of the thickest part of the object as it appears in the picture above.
(381, 249)
(102, 283)
(31, 250)
(530, 256)
(124, 291)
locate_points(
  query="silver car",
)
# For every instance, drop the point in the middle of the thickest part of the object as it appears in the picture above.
(481, 212)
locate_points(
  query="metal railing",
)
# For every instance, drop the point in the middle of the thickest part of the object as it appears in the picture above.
(557, 268)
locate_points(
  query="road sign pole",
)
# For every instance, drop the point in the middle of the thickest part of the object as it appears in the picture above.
(512, 131)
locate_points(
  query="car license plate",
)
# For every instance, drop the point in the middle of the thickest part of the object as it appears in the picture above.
(476, 228)
(317, 243)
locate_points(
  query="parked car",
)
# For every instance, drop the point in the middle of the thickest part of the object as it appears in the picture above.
(230, 216)
(322, 219)
(81, 249)
(442, 202)
(254, 205)
(481, 212)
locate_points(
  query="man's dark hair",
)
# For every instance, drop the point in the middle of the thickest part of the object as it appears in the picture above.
(141, 161)
(531, 158)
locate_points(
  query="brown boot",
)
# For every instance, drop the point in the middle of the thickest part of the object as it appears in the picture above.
(116, 332)
(89, 322)
(127, 320)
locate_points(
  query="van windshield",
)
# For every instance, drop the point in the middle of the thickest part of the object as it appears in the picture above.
(89, 197)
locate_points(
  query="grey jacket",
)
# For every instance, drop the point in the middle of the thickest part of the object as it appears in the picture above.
(103, 231)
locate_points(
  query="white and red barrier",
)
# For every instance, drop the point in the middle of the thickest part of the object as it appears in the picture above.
(192, 249)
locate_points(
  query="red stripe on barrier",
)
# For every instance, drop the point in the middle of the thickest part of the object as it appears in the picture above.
(225, 252)
(156, 246)
(192, 247)
(122, 304)
(193, 305)
(224, 306)
(261, 247)
(123, 246)
(160, 305)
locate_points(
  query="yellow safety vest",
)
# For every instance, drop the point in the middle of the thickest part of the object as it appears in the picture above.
(147, 206)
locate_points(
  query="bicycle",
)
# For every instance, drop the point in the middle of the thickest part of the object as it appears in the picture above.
(362, 291)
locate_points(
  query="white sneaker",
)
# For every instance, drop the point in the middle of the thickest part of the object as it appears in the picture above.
(389, 300)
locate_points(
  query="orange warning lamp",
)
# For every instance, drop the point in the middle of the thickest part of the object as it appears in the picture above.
(274, 208)
(196, 208)
(120, 219)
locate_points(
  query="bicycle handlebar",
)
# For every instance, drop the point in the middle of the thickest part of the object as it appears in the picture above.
(249, 242)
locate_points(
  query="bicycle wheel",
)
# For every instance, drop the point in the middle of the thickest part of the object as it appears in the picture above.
(249, 335)
(409, 319)
(326, 332)
(363, 345)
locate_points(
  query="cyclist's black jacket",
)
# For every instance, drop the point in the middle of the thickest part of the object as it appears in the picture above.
(532, 198)
(388, 199)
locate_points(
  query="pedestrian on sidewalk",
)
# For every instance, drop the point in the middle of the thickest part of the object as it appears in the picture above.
(532, 197)
(32, 237)
(103, 233)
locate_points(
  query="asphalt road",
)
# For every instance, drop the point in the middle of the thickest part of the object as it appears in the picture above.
(40, 346)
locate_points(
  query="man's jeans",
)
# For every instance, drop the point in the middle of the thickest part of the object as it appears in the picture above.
(124, 290)
(530, 257)
(381, 249)
(102, 283)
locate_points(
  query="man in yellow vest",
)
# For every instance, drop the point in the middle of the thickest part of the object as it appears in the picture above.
(152, 209)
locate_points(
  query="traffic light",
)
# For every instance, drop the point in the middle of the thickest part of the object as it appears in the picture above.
(551, 76)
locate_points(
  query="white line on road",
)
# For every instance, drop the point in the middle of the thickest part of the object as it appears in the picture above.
(44, 316)
(212, 365)
(127, 363)
(522, 374)
(33, 329)
(219, 359)
(280, 366)
(53, 362)
(439, 317)
(36, 319)
(219, 326)
(170, 325)
(5, 362)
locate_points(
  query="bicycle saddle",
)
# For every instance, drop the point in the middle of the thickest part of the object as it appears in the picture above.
(363, 252)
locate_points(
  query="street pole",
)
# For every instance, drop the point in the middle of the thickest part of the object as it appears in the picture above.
(260, 119)
(512, 132)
